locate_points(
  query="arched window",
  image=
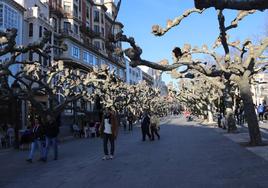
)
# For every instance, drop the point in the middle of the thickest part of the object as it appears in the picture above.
(30, 29)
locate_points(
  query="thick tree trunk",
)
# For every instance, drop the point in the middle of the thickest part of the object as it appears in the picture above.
(232, 4)
(210, 116)
(231, 125)
(250, 114)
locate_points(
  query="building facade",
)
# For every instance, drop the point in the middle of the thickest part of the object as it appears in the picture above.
(259, 88)
(11, 110)
(133, 74)
(11, 16)
(83, 25)
(154, 78)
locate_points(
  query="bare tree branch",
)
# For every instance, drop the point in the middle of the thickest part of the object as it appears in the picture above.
(158, 31)
(232, 4)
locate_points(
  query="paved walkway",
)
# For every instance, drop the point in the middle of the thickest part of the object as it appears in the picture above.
(186, 156)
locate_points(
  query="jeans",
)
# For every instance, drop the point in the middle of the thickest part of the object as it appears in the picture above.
(107, 137)
(40, 144)
(54, 142)
(260, 116)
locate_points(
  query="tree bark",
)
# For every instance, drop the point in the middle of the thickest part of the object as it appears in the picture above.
(232, 4)
(250, 114)
(210, 115)
(231, 125)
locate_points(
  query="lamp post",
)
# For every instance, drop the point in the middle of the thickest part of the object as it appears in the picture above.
(15, 112)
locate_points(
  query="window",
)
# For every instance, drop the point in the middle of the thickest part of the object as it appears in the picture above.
(102, 46)
(102, 31)
(79, 5)
(55, 24)
(12, 17)
(102, 18)
(88, 58)
(40, 31)
(96, 28)
(45, 62)
(30, 29)
(75, 12)
(75, 52)
(75, 29)
(1, 15)
(97, 62)
(96, 16)
(30, 56)
(67, 8)
(40, 59)
(85, 57)
(87, 24)
(97, 44)
(66, 26)
(87, 12)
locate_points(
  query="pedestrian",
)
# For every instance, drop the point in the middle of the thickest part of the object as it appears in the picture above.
(10, 135)
(92, 129)
(124, 121)
(108, 130)
(145, 126)
(52, 132)
(154, 126)
(38, 140)
(26, 138)
(219, 118)
(260, 110)
(130, 121)
(97, 128)
(241, 115)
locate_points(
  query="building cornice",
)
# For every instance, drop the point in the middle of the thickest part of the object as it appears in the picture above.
(15, 4)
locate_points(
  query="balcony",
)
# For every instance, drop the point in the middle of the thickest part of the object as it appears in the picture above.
(55, 8)
(89, 32)
(92, 46)
(34, 12)
(69, 33)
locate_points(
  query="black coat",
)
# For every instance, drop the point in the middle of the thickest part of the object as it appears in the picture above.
(145, 122)
(38, 132)
(52, 129)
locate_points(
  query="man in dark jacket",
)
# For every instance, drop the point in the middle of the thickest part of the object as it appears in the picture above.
(51, 132)
(38, 137)
(145, 126)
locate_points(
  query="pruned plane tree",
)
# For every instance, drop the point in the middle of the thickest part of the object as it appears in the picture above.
(236, 71)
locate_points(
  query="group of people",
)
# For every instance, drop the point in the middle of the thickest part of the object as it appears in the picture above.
(149, 126)
(7, 135)
(109, 130)
(91, 129)
(127, 120)
(44, 134)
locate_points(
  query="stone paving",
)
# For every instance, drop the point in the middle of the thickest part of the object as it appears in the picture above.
(242, 137)
(187, 155)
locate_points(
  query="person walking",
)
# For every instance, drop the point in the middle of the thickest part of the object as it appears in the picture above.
(130, 121)
(260, 110)
(154, 126)
(145, 126)
(38, 140)
(108, 131)
(52, 132)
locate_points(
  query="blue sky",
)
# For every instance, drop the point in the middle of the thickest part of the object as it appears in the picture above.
(138, 17)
